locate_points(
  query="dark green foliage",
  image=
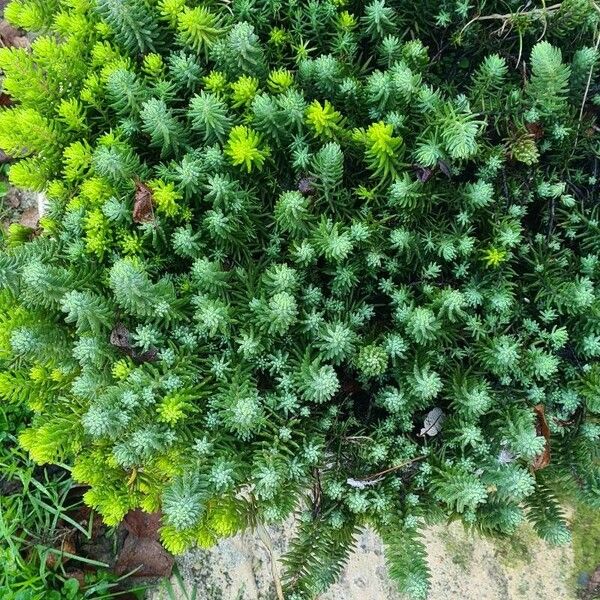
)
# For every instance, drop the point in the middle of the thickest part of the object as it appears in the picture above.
(406, 559)
(134, 24)
(317, 556)
(546, 516)
(341, 247)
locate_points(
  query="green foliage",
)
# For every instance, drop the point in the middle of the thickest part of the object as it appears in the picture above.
(37, 505)
(549, 82)
(547, 517)
(406, 558)
(317, 556)
(291, 261)
(243, 148)
(35, 510)
(586, 539)
(133, 23)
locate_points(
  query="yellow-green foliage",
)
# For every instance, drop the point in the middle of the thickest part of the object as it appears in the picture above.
(332, 257)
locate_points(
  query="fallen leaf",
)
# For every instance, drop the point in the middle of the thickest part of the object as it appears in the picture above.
(143, 524)
(56, 557)
(51, 560)
(121, 338)
(149, 356)
(12, 198)
(69, 546)
(5, 99)
(306, 186)
(542, 460)
(30, 218)
(143, 210)
(142, 552)
(143, 557)
(77, 574)
(536, 130)
(433, 422)
(424, 174)
(362, 484)
(11, 36)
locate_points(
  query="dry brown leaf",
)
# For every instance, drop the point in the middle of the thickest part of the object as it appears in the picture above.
(142, 552)
(542, 460)
(77, 574)
(536, 130)
(30, 218)
(11, 36)
(143, 210)
(143, 524)
(12, 198)
(144, 557)
(54, 559)
(148, 356)
(5, 99)
(120, 338)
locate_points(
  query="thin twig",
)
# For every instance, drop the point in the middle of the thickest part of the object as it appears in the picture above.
(392, 469)
(265, 538)
(551, 221)
(529, 13)
(508, 16)
(357, 438)
(589, 79)
(587, 88)
(545, 21)
(520, 50)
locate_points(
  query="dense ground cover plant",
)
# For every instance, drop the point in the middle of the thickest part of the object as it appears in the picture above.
(315, 255)
(36, 524)
(41, 520)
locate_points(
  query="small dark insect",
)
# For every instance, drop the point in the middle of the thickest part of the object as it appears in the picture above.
(306, 187)
(143, 210)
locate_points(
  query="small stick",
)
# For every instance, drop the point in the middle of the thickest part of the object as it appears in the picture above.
(506, 17)
(392, 469)
(589, 79)
(265, 538)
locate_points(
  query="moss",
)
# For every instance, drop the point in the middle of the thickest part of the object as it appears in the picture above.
(460, 548)
(515, 550)
(586, 540)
